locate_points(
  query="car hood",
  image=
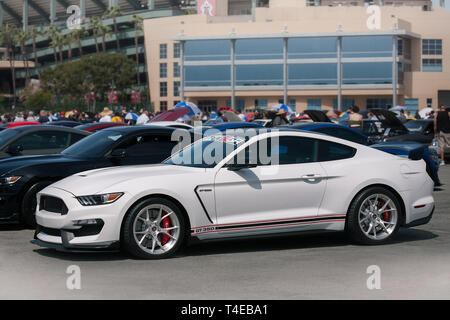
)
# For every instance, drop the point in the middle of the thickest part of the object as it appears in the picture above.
(388, 118)
(17, 163)
(95, 181)
(317, 116)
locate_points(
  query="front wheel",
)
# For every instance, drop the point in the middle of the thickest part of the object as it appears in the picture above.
(155, 228)
(374, 216)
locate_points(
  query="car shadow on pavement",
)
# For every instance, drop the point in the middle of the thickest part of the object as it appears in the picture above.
(324, 240)
(230, 246)
(83, 256)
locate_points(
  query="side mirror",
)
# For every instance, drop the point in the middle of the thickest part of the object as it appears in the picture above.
(118, 154)
(15, 150)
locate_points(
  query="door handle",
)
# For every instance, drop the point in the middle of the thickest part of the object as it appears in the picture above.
(311, 176)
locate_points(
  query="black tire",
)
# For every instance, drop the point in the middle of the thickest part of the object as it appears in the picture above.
(354, 230)
(28, 212)
(128, 240)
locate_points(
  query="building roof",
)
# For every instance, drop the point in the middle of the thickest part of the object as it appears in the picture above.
(39, 10)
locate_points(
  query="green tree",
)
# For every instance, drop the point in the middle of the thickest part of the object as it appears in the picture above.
(79, 34)
(138, 24)
(104, 32)
(96, 73)
(21, 38)
(34, 33)
(51, 32)
(38, 100)
(94, 23)
(113, 13)
(8, 36)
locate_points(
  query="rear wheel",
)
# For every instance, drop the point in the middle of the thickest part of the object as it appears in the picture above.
(29, 204)
(374, 216)
(155, 228)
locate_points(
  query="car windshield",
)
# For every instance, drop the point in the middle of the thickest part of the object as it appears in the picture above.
(207, 152)
(415, 126)
(94, 145)
(7, 135)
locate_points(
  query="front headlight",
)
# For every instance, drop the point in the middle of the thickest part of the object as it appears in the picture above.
(99, 199)
(9, 180)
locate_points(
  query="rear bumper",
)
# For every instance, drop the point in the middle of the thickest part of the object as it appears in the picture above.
(420, 221)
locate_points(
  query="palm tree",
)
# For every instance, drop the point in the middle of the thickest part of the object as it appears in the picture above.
(94, 23)
(137, 21)
(104, 32)
(21, 38)
(68, 40)
(51, 32)
(7, 35)
(34, 33)
(78, 35)
(113, 13)
(60, 42)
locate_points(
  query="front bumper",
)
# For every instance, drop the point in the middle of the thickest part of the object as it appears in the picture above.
(62, 232)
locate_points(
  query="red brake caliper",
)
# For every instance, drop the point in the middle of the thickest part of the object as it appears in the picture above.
(165, 224)
(385, 213)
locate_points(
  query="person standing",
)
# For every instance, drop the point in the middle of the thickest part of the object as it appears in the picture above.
(143, 118)
(442, 130)
(355, 119)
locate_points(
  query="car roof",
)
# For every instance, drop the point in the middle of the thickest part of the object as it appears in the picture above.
(48, 128)
(140, 128)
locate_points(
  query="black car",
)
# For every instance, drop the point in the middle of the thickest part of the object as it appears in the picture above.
(22, 178)
(63, 123)
(34, 140)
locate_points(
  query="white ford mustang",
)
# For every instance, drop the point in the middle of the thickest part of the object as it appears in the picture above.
(232, 185)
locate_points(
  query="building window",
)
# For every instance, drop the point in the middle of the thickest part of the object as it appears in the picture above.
(412, 105)
(207, 76)
(176, 70)
(176, 88)
(163, 70)
(378, 103)
(163, 106)
(240, 104)
(292, 103)
(163, 89)
(314, 104)
(400, 47)
(163, 51)
(261, 103)
(429, 102)
(177, 50)
(346, 103)
(432, 46)
(432, 65)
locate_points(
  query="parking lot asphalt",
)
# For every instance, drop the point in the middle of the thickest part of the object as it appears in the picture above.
(416, 265)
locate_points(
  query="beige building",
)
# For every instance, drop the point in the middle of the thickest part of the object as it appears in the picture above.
(306, 55)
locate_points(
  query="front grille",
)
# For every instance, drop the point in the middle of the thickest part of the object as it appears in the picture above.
(53, 204)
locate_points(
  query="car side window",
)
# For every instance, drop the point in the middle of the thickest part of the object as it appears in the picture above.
(331, 151)
(75, 137)
(148, 145)
(284, 150)
(43, 140)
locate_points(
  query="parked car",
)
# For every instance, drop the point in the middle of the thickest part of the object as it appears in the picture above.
(17, 124)
(318, 183)
(64, 123)
(22, 177)
(97, 126)
(171, 124)
(411, 149)
(34, 140)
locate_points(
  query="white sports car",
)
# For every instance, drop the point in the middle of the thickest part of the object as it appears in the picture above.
(235, 185)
